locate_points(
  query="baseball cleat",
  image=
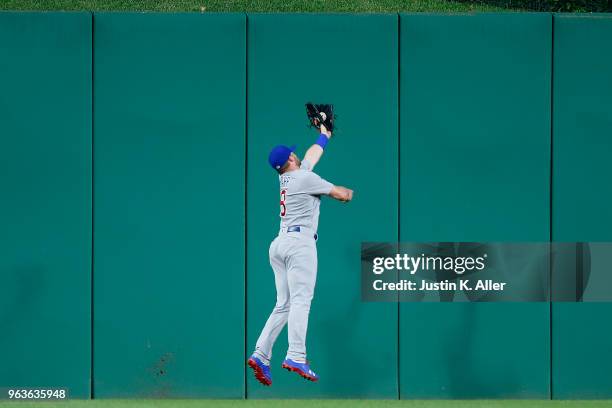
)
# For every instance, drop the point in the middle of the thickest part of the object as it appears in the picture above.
(261, 371)
(303, 369)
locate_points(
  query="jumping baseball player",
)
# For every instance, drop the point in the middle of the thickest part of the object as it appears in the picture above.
(293, 253)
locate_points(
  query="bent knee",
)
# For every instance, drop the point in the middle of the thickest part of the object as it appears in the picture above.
(282, 307)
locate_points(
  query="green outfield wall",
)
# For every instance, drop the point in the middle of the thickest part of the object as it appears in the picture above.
(137, 203)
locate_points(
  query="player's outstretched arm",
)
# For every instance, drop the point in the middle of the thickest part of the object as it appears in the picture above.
(341, 193)
(314, 153)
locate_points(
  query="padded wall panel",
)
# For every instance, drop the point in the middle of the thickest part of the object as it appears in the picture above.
(45, 205)
(582, 140)
(475, 160)
(352, 345)
(169, 205)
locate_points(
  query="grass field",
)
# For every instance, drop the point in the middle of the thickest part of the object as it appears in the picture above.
(371, 6)
(313, 6)
(311, 404)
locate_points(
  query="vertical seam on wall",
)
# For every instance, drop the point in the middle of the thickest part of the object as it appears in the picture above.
(91, 295)
(550, 208)
(579, 272)
(246, 159)
(398, 196)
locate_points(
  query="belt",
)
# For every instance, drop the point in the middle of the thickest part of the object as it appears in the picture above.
(297, 228)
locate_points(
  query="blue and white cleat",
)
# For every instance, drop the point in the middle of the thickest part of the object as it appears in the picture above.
(261, 370)
(303, 369)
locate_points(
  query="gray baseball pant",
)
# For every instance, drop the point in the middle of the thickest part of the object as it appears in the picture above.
(293, 257)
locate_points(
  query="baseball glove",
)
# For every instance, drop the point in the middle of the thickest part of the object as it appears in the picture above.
(321, 114)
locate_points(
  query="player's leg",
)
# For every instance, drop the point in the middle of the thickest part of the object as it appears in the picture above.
(280, 314)
(301, 277)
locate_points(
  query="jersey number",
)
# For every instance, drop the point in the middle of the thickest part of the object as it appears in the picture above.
(283, 207)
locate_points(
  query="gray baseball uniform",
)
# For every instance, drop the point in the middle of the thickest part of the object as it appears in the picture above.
(293, 257)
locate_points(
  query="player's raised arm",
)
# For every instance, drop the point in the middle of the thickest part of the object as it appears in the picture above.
(314, 152)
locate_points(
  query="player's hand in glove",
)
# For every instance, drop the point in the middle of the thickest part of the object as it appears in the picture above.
(321, 116)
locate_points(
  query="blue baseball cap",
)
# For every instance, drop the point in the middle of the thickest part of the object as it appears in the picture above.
(279, 156)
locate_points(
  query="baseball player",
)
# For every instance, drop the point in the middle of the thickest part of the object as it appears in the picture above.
(293, 253)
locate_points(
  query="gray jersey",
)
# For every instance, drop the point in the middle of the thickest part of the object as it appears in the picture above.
(300, 192)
